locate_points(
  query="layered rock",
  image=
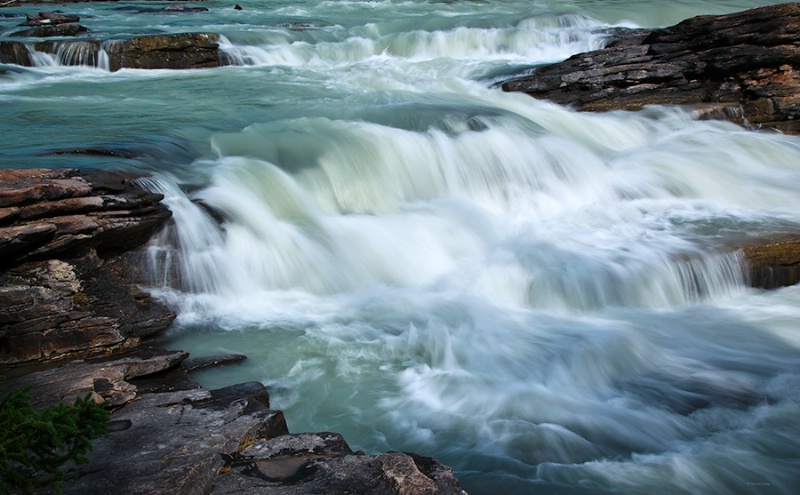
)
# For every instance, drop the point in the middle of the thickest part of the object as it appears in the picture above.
(748, 60)
(159, 51)
(184, 439)
(70, 272)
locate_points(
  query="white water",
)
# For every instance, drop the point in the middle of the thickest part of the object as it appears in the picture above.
(548, 301)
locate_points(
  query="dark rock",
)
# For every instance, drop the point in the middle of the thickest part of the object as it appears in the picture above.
(58, 210)
(70, 266)
(324, 463)
(160, 51)
(205, 362)
(106, 379)
(179, 8)
(746, 60)
(167, 51)
(773, 263)
(53, 30)
(12, 52)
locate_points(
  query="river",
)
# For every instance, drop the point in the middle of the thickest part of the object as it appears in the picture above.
(542, 299)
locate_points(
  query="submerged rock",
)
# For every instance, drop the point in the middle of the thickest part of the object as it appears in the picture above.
(748, 60)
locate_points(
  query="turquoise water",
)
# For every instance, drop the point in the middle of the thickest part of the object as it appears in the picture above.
(544, 300)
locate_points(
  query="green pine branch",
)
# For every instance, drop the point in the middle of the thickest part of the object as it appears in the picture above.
(34, 444)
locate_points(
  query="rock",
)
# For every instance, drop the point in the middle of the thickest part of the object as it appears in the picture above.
(324, 463)
(48, 31)
(745, 60)
(206, 362)
(52, 211)
(70, 270)
(50, 19)
(175, 444)
(106, 379)
(12, 52)
(166, 51)
(773, 263)
(222, 441)
(160, 51)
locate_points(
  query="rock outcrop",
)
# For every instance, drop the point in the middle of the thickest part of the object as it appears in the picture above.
(158, 51)
(749, 61)
(70, 270)
(179, 438)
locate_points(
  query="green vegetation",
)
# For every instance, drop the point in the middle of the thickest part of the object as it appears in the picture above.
(34, 444)
(80, 299)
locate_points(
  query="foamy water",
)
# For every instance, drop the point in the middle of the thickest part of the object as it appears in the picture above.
(546, 300)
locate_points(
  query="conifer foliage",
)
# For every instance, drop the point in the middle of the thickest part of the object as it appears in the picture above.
(34, 444)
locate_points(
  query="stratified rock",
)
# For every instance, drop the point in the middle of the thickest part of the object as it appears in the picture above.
(774, 263)
(205, 362)
(70, 270)
(106, 380)
(15, 53)
(172, 443)
(166, 51)
(44, 212)
(323, 463)
(749, 59)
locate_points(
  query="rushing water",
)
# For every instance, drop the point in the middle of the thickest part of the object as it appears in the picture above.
(542, 299)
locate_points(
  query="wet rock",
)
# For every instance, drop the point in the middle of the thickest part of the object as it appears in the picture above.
(324, 463)
(160, 51)
(774, 263)
(52, 211)
(179, 8)
(174, 444)
(70, 267)
(48, 31)
(50, 19)
(105, 379)
(15, 53)
(205, 362)
(167, 51)
(748, 60)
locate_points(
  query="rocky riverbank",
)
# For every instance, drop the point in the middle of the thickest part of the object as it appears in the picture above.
(743, 66)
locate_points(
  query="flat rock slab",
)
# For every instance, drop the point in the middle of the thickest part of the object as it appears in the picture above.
(71, 264)
(104, 379)
(224, 441)
(749, 60)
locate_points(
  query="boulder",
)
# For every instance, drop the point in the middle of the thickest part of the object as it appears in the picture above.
(158, 51)
(166, 51)
(749, 61)
(50, 19)
(773, 262)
